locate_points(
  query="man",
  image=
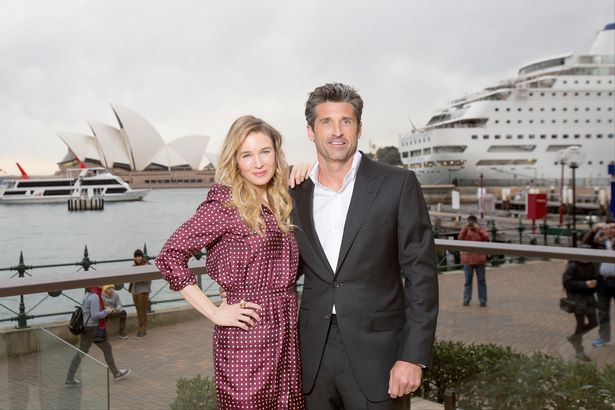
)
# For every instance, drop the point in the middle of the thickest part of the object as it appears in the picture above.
(474, 262)
(606, 288)
(114, 304)
(370, 297)
(140, 294)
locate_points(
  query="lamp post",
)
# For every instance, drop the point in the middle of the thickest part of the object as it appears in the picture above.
(481, 172)
(574, 158)
(562, 161)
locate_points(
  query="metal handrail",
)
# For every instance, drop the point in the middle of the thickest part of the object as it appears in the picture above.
(69, 280)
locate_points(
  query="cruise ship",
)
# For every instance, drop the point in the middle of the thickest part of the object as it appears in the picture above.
(514, 130)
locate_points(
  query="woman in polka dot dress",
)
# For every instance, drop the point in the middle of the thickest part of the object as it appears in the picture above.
(251, 252)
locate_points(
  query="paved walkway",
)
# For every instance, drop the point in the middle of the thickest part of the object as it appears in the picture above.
(522, 312)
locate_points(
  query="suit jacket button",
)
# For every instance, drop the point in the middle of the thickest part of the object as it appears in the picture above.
(328, 316)
(336, 284)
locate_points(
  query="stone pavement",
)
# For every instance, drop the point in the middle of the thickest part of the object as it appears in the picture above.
(522, 312)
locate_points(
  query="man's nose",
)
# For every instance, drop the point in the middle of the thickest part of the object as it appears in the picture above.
(337, 129)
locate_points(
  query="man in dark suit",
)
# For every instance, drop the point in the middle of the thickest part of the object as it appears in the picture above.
(370, 298)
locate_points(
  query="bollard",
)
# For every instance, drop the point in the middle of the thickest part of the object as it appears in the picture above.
(521, 228)
(22, 318)
(450, 399)
(545, 227)
(86, 262)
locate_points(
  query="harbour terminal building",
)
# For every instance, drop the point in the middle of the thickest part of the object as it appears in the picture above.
(136, 152)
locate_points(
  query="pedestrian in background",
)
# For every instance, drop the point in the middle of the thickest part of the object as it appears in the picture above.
(474, 262)
(113, 302)
(580, 280)
(94, 317)
(606, 287)
(140, 294)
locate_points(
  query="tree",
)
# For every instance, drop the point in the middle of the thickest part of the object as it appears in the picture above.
(388, 155)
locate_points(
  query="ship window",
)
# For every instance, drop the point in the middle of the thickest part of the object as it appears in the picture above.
(565, 136)
(404, 154)
(497, 121)
(576, 82)
(507, 121)
(14, 193)
(598, 120)
(587, 121)
(449, 148)
(542, 108)
(57, 192)
(586, 108)
(519, 121)
(599, 136)
(519, 137)
(497, 109)
(553, 94)
(564, 109)
(119, 190)
(553, 136)
(511, 148)
(577, 136)
(531, 136)
(576, 108)
(601, 162)
(553, 121)
(565, 121)
(492, 162)
(485, 137)
(415, 153)
(497, 136)
(518, 109)
(531, 121)
(542, 94)
(611, 136)
(507, 109)
(543, 136)
(558, 147)
(589, 162)
(587, 94)
(531, 94)
(553, 109)
(95, 182)
(474, 137)
(508, 137)
(576, 121)
(43, 184)
(598, 109)
(588, 135)
(598, 94)
(564, 94)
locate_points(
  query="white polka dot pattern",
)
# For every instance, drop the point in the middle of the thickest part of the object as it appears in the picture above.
(259, 368)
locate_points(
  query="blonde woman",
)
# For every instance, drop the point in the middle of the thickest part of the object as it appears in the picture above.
(251, 252)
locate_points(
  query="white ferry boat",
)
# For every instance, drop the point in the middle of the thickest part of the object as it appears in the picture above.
(79, 183)
(514, 130)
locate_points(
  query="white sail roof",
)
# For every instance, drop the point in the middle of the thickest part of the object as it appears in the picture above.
(143, 139)
(112, 144)
(82, 146)
(191, 148)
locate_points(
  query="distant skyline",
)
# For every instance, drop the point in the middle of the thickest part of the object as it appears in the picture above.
(192, 67)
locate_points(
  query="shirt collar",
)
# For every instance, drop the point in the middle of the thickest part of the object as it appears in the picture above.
(350, 176)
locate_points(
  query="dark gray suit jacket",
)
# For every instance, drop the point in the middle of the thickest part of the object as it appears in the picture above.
(382, 318)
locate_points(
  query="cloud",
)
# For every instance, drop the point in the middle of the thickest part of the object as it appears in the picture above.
(192, 67)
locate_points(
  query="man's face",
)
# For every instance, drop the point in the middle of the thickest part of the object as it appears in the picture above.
(139, 260)
(336, 132)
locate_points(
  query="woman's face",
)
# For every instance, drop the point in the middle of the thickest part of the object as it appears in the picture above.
(256, 159)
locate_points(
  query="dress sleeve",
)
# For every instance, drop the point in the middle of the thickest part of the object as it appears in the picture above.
(209, 223)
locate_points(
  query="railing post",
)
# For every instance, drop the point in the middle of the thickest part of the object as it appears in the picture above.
(147, 258)
(521, 228)
(450, 399)
(494, 231)
(22, 319)
(86, 262)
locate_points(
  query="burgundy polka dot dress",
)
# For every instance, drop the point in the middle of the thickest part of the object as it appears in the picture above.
(259, 368)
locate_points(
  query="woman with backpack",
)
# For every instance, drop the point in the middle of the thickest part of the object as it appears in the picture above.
(94, 331)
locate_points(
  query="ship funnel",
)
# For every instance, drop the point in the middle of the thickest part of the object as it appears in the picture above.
(605, 41)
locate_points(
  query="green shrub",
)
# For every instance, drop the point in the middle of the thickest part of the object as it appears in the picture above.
(197, 393)
(495, 377)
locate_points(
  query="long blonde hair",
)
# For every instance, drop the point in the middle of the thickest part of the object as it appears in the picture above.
(244, 195)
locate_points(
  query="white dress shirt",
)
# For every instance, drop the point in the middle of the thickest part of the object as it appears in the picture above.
(330, 209)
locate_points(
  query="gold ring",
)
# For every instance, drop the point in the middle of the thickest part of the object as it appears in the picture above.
(242, 304)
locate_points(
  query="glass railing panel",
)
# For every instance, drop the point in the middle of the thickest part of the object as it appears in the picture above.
(55, 358)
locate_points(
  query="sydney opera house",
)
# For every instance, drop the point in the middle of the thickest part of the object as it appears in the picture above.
(136, 152)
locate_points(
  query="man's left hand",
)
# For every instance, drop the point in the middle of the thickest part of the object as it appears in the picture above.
(404, 379)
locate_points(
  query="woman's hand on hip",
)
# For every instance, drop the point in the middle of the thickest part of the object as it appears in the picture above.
(236, 316)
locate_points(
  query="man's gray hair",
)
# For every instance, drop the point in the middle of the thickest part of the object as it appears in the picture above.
(333, 92)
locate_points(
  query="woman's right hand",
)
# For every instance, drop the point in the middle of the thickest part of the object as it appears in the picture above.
(235, 316)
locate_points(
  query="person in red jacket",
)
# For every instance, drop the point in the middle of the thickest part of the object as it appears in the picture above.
(474, 262)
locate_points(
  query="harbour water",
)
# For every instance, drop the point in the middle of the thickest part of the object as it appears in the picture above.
(50, 234)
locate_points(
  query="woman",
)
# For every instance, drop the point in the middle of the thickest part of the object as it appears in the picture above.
(580, 280)
(94, 316)
(251, 252)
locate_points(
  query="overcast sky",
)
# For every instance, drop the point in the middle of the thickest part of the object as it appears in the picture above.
(192, 67)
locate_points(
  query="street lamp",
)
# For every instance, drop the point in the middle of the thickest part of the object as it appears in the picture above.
(574, 158)
(481, 172)
(561, 159)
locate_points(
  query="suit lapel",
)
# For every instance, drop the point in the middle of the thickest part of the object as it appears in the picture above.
(304, 205)
(365, 190)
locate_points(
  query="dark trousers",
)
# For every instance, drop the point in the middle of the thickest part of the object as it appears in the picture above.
(122, 316)
(336, 387)
(85, 342)
(480, 278)
(585, 326)
(141, 300)
(606, 293)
